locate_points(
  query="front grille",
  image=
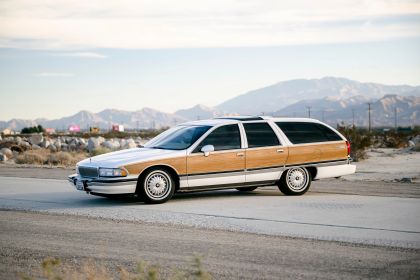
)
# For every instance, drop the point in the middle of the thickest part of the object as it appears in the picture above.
(88, 172)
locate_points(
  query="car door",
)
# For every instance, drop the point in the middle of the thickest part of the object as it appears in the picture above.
(223, 167)
(265, 155)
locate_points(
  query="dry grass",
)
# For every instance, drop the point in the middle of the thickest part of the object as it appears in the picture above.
(54, 269)
(100, 151)
(37, 157)
(45, 157)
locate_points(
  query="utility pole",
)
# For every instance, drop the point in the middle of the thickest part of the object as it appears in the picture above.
(309, 111)
(352, 112)
(395, 118)
(369, 109)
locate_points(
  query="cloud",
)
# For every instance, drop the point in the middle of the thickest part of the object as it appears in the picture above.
(54, 74)
(81, 54)
(148, 24)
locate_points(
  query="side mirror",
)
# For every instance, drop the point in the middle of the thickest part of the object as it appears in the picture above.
(207, 149)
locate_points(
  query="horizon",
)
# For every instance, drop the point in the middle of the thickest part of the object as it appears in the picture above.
(56, 59)
(198, 104)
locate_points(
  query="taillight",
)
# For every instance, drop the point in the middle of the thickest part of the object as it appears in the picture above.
(348, 148)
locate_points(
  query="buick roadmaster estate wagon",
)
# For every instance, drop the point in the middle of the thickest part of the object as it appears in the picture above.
(232, 152)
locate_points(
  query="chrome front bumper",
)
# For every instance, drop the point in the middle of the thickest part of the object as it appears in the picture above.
(103, 186)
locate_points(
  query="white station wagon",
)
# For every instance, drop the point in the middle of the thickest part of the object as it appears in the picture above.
(231, 152)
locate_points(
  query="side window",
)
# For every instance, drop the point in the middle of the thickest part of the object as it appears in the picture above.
(329, 134)
(225, 137)
(301, 132)
(260, 135)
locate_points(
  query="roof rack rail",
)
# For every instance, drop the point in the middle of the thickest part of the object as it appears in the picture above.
(242, 118)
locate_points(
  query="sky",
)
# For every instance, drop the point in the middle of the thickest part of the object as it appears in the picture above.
(59, 57)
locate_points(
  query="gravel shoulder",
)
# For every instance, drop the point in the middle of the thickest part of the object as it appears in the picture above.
(27, 238)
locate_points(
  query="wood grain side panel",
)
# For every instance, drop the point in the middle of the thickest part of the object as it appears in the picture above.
(317, 152)
(334, 151)
(265, 157)
(215, 162)
(303, 154)
(178, 163)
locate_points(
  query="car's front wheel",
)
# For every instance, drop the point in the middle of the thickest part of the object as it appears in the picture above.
(156, 186)
(295, 181)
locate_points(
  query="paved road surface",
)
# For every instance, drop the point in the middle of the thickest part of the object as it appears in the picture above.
(27, 238)
(373, 220)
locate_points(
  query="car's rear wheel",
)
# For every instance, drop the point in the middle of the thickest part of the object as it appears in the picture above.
(156, 186)
(246, 189)
(295, 181)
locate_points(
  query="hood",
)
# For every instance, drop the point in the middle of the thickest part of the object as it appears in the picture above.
(124, 157)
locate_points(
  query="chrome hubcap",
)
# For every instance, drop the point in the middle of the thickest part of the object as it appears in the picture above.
(297, 179)
(157, 184)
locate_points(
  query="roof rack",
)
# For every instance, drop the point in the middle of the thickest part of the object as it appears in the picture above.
(242, 118)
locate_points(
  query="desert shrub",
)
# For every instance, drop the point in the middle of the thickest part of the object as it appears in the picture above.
(359, 139)
(393, 139)
(38, 157)
(100, 151)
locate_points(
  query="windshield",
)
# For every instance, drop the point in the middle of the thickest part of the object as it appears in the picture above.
(178, 138)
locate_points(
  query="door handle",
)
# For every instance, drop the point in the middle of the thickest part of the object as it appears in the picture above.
(240, 154)
(280, 151)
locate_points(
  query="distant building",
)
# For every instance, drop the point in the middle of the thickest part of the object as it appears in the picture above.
(7, 131)
(49, 131)
(94, 129)
(118, 127)
(74, 128)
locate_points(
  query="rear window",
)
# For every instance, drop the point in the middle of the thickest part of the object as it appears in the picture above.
(260, 135)
(301, 132)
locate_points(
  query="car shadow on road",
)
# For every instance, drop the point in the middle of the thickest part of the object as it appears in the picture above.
(119, 200)
(225, 193)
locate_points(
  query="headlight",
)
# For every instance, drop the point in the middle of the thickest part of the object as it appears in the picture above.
(112, 172)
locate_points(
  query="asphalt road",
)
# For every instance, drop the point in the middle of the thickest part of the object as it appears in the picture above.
(372, 220)
(27, 238)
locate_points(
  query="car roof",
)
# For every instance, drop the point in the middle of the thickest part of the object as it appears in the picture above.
(237, 119)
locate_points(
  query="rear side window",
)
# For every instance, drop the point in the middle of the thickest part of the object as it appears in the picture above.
(301, 132)
(260, 135)
(225, 137)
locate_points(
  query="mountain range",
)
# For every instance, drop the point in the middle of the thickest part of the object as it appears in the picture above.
(333, 100)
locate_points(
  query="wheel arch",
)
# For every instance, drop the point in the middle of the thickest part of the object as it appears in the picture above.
(313, 171)
(167, 168)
